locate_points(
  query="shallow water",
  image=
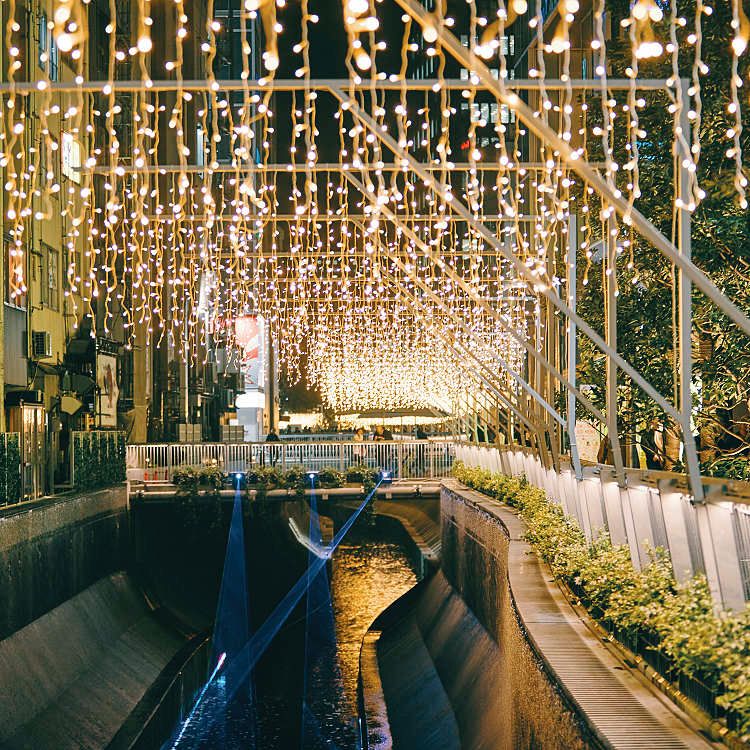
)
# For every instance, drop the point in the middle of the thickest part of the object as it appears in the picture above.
(370, 569)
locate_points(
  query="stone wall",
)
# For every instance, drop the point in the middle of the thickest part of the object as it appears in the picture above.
(523, 709)
(51, 550)
(456, 670)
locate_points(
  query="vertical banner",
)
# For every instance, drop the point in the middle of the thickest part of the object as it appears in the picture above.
(108, 389)
(248, 332)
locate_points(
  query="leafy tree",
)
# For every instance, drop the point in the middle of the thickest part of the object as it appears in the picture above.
(720, 236)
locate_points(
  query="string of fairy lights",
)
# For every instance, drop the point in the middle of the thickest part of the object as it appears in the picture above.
(368, 281)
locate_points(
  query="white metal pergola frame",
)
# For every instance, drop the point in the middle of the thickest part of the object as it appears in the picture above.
(430, 175)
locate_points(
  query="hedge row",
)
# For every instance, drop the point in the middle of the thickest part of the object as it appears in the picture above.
(98, 459)
(189, 479)
(711, 647)
(10, 468)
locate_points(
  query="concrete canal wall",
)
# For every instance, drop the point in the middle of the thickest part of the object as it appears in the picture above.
(489, 653)
(454, 667)
(79, 645)
(51, 550)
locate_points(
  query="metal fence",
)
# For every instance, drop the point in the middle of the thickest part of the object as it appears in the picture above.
(417, 459)
(653, 509)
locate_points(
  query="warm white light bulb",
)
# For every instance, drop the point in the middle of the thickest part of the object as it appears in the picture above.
(362, 60)
(65, 42)
(271, 60)
(357, 7)
(430, 34)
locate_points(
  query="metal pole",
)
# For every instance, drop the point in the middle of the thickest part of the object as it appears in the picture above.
(291, 168)
(571, 158)
(271, 85)
(684, 242)
(609, 265)
(571, 337)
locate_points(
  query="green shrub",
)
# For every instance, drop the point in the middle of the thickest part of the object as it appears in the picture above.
(364, 475)
(329, 477)
(711, 647)
(295, 479)
(191, 479)
(10, 468)
(98, 459)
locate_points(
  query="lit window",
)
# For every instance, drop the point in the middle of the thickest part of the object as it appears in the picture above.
(50, 282)
(48, 53)
(507, 114)
(71, 157)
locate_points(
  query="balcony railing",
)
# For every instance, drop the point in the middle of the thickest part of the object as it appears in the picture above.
(417, 459)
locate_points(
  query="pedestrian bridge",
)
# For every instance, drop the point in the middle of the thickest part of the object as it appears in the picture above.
(647, 509)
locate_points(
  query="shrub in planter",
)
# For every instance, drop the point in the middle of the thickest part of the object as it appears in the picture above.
(186, 480)
(296, 479)
(364, 475)
(679, 618)
(10, 468)
(329, 477)
(191, 479)
(264, 478)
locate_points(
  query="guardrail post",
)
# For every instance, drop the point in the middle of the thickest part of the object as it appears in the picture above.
(400, 459)
(432, 460)
(341, 456)
(169, 462)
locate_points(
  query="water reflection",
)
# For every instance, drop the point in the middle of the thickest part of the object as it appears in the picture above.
(368, 576)
(370, 569)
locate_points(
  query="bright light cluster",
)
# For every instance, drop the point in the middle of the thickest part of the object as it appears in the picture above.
(372, 270)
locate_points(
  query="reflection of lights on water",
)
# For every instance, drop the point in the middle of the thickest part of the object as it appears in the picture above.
(218, 666)
(321, 551)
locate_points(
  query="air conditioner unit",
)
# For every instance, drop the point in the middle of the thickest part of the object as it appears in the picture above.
(41, 344)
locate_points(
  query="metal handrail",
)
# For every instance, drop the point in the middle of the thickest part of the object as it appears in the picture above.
(407, 459)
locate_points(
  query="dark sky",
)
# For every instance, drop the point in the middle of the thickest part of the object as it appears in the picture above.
(328, 47)
(328, 38)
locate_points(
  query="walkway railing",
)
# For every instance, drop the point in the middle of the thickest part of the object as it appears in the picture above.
(654, 509)
(417, 459)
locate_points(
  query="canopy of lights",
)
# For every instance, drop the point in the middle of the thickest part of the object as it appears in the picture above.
(416, 264)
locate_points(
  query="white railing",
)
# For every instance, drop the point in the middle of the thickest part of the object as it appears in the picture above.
(654, 509)
(417, 459)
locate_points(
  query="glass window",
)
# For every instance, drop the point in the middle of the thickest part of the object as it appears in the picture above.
(48, 52)
(50, 283)
(71, 157)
